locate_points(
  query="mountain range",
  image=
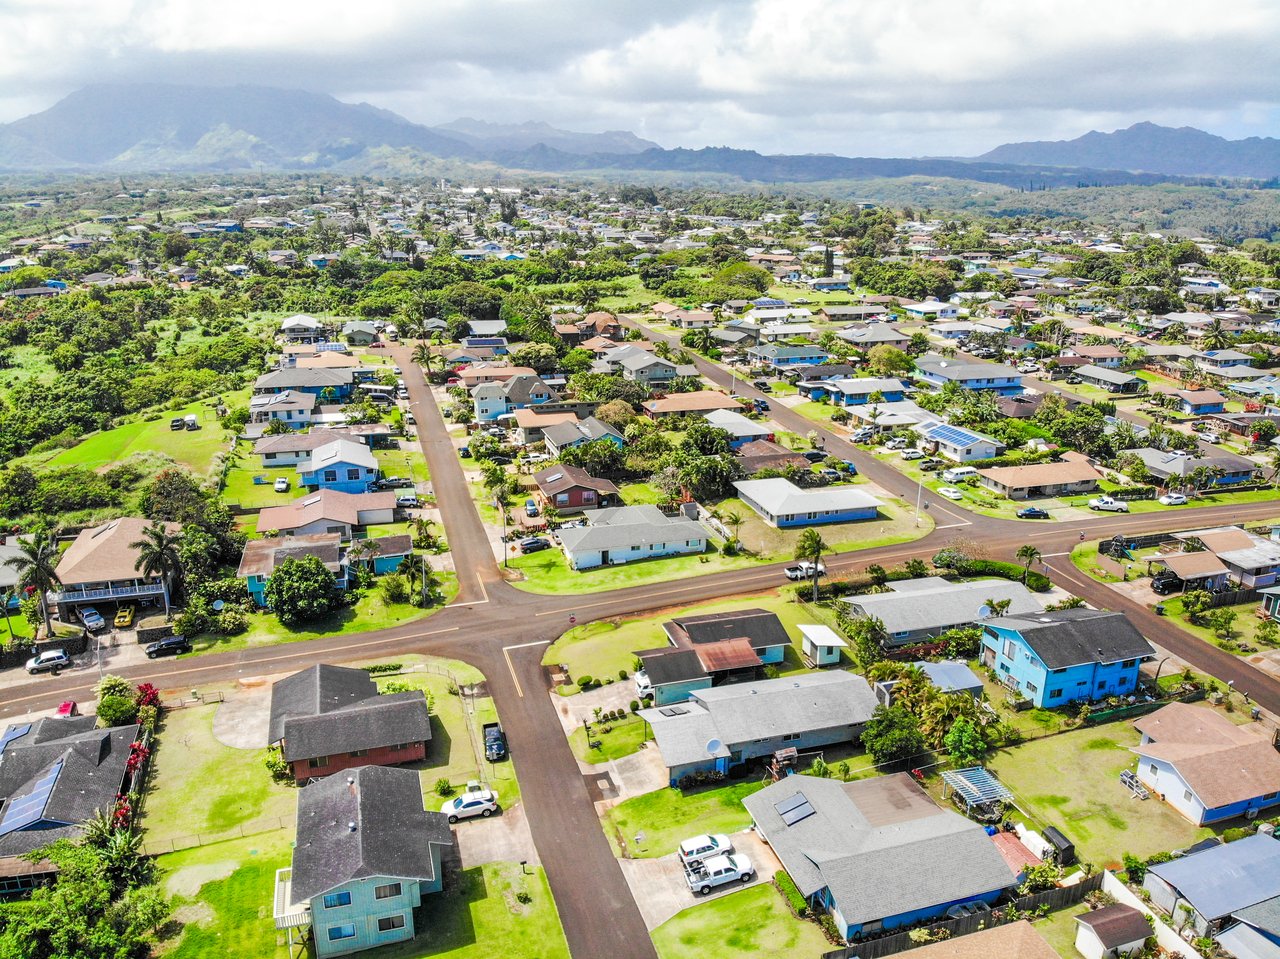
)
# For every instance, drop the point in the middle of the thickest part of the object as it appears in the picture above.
(162, 128)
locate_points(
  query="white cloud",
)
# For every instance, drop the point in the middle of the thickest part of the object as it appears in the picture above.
(859, 77)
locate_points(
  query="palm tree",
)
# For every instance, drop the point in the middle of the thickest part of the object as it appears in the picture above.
(811, 546)
(699, 339)
(1028, 554)
(1215, 336)
(733, 520)
(158, 556)
(36, 565)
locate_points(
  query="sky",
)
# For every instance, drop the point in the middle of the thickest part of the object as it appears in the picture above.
(853, 77)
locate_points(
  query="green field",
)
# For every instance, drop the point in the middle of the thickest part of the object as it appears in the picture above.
(749, 923)
(667, 816)
(548, 571)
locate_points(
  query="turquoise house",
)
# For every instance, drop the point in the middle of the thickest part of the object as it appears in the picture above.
(343, 465)
(366, 853)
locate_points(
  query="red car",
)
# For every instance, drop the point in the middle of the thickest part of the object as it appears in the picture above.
(68, 709)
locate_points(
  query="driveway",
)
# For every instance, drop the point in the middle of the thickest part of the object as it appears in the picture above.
(660, 890)
(243, 719)
(501, 838)
(572, 710)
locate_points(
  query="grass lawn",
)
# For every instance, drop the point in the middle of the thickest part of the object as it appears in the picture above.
(1085, 558)
(193, 449)
(202, 786)
(1243, 629)
(369, 613)
(895, 524)
(239, 489)
(406, 460)
(667, 816)
(549, 572)
(603, 648)
(1059, 929)
(223, 896)
(749, 923)
(622, 739)
(640, 494)
(1072, 781)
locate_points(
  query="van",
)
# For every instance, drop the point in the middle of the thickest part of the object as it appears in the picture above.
(192, 422)
(958, 473)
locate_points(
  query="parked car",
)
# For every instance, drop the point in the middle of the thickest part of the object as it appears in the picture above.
(92, 619)
(67, 709)
(719, 871)
(703, 847)
(124, 616)
(1074, 380)
(864, 434)
(191, 421)
(950, 492)
(932, 464)
(644, 687)
(762, 386)
(464, 452)
(495, 742)
(396, 370)
(407, 502)
(804, 570)
(534, 544)
(1032, 512)
(530, 508)
(827, 473)
(1173, 499)
(1209, 436)
(169, 646)
(761, 406)
(897, 443)
(1164, 585)
(410, 418)
(50, 661)
(1108, 505)
(814, 456)
(912, 454)
(537, 458)
(480, 801)
(849, 467)
(281, 485)
(177, 423)
(500, 459)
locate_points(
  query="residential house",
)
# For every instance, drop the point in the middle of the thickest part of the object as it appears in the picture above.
(1263, 297)
(559, 437)
(1218, 360)
(531, 421)
(359, 333)
(783, 505)
(729, 725)
(763, 454)
(1112, 931)
(998, 378)
(329, 359)
(877, 854)
(698, 401)
(494, 345)
(290, 449)
(1065, 656)
(101, 566)
(1205, 766)
(340, 464)
(261, 557)
(640, 366)
(1201, 402)
(780, 356)
(364, 856)
(600, 323)
(329, 511)
(1103, 354)
(485, 328)
(931, 310)
(692, 319)
(1113, 381)
(888, 416)
(55, 774)
(571, 489)
(957, 443)
(624, 534)
(328, 384)
(327, 719)
(1252, 561)
(493, 400)
(301, 328)
(472, 376)
(828, 284)
(854, 391)
(1200, 569)
(295, 409)
(915, 611)
(1070, 476)
(741, 430)
(1218, 883)
(875, 334)
(1172, 467)
(855, 312)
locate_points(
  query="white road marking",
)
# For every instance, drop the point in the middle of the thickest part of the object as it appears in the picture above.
(511, 666)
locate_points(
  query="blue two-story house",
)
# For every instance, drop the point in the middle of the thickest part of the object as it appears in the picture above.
(365, 855)
(342, 465)
(1065, 656)
(780, 355)
(999, 379)
(332, 385)
(491, 400)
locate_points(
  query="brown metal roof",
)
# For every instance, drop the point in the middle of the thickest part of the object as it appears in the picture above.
(727, 654)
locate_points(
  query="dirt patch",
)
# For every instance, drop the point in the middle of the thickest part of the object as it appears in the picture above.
(193, 913)
(189, 880)
(243, 721)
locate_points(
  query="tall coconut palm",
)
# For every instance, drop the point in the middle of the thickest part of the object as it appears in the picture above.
(1215, 336)
(1028, 554)
(811, 546)
(37, 568)
(158, 556)
(733, 520)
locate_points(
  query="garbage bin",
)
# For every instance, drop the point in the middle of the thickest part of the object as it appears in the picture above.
(1159, 609)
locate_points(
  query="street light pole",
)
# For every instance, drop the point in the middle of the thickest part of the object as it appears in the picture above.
(919, 493)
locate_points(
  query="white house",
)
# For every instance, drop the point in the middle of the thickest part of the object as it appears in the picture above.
(782, 504)
(932, 310)
(1115, 930)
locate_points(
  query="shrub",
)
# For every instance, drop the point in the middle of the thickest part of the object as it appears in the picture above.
(523, 897)
(443, 787)
(117, 711)
(783, 882)
(147, 695)
(1238, 832)
(829, 929)
(635, 705)
(393, 686)
(279, 769)
(111, 685)
(585, 682)
(232, 621)
(147, 717)
(623, 674)
(377, 668)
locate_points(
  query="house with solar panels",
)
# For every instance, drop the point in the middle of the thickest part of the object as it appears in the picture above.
(959, 444)
(55, 774)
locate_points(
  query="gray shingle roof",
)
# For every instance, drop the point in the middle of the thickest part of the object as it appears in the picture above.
(626, 526)
(934, 603)
(392, 837)
(760, 626)
(315, 690)
(1069, 637)
(668, 665)
(369, 724)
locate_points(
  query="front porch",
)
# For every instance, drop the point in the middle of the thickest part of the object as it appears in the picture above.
(287, 914)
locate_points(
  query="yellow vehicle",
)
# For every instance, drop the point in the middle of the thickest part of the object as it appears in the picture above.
(124, 616)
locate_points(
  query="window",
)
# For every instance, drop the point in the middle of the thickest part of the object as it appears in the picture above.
(1186, 794)
(1031, 687)
(1055, 693)
(269, 456)
(389, 891)
(331, 476)
(336, 899)
(589, 496)
(387, 923)
(353, 474)
(400, 746)
(357, 753)
(790, 737)
(342, 932)
(562, 499)
(1102, 683)
(318, 763)
(1010, 650)
(1129, 663)
(1153, 770)
(1057, 671)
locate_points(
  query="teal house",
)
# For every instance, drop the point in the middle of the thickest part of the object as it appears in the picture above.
(366, 853)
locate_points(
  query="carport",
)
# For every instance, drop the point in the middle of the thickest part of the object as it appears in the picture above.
(983, 795)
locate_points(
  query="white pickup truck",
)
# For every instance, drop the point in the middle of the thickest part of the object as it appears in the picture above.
(804, 570)
(704, 876)
(1108, 505)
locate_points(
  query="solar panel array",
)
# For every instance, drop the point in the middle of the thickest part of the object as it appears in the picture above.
(953, 435)
(12, 733)
(794, 809)
(25, 810)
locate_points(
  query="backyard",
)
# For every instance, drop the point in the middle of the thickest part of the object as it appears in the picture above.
(548, 571)
(749, 923)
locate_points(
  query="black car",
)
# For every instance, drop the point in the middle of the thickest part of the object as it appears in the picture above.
(762, 386)
(1164, 585)
(177, 423)
(1032, 512)
(814, 456)
(534, 544)
(500, 460)
(169, 646)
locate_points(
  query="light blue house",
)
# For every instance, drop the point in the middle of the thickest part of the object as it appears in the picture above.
(332, 385)
(999, 379)
(782, 504)
(876, 854)
(365, 855)
(261, 557)
(1201, 402)
(779, 355)
(491, 400)
(342, 465)
(1065, 656)
(854, 391)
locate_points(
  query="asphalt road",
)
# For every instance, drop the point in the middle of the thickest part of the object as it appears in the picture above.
(504, 631)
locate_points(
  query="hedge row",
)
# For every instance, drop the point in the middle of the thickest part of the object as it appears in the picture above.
(1036, 582)
(791, 893)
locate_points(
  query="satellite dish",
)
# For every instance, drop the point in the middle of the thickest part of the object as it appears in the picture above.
(984, 611)
(217, 605)
(714, 746)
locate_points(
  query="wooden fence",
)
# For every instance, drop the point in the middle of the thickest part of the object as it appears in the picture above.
(888, 945)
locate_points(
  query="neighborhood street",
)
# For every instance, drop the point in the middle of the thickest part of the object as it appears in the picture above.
(503, 631)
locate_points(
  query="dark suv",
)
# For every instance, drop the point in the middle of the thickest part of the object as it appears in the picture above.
(169, 646)
(1164, 585)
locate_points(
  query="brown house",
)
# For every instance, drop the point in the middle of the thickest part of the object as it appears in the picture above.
(571, 489)
(329, 718)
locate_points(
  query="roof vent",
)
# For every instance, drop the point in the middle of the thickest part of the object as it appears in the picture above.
(351, 827)
(351, 780)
